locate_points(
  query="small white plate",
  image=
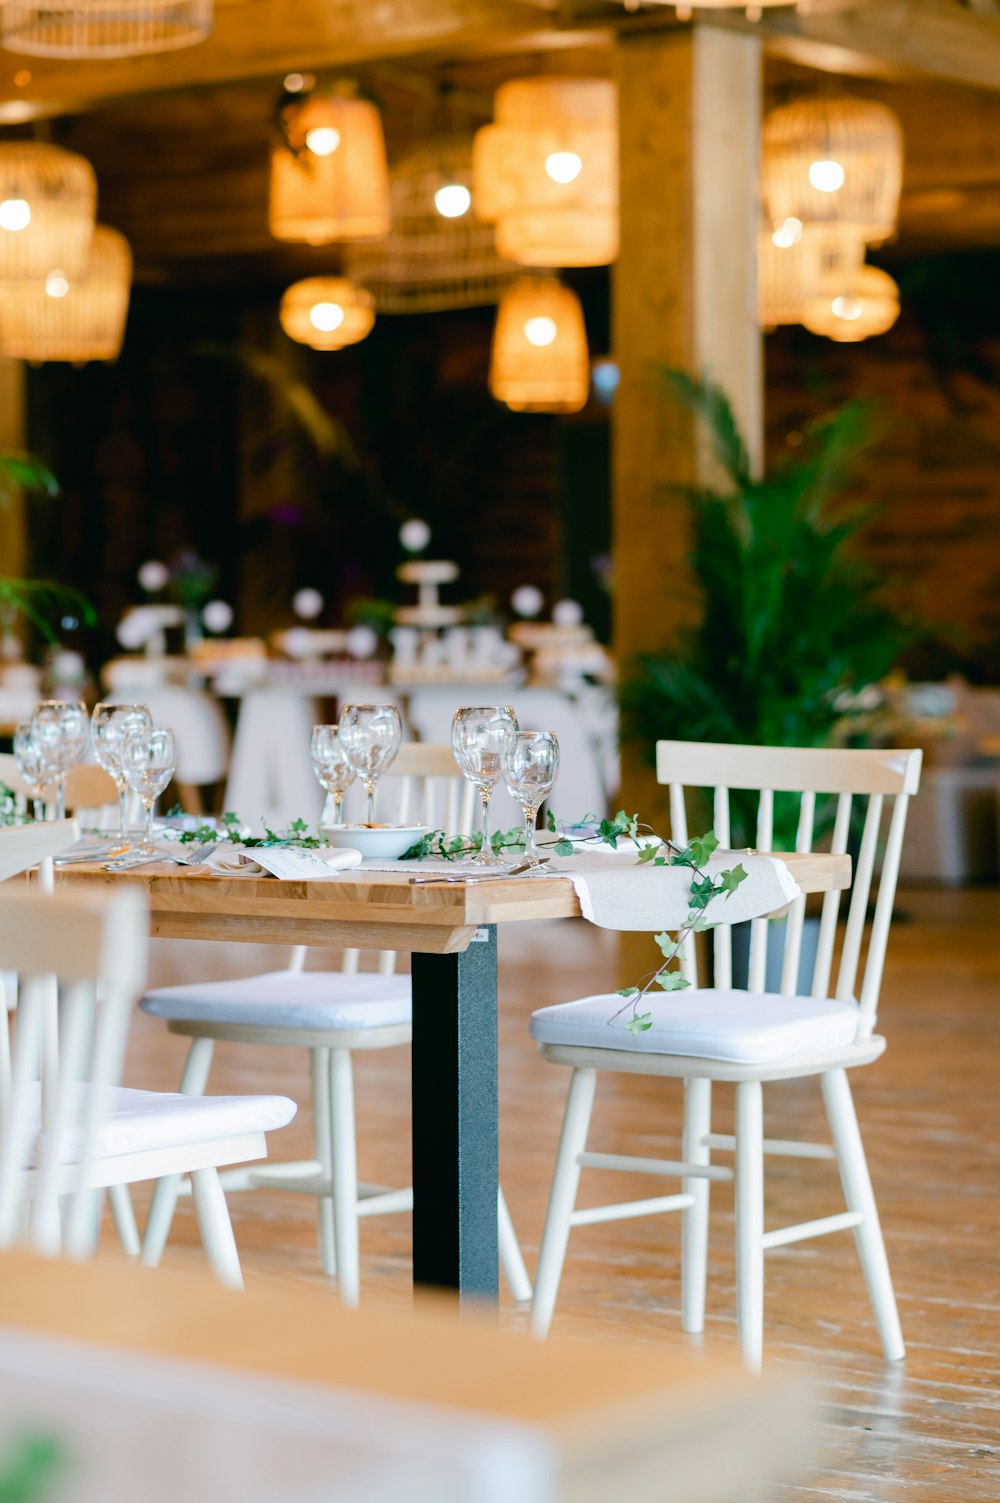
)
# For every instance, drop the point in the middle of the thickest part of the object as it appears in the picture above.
(387, 843)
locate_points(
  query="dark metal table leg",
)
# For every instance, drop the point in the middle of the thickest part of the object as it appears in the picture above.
(455, 1119)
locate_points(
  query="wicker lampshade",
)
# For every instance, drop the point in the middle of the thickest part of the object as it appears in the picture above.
(539, 360)
(48, 198)
(103, 28)
(329, 179)
(327, 312)
(438, 253)
(546, 172)
(752, 8)
(795, 266)
(834, 162)
(868, 305)
(74, 319)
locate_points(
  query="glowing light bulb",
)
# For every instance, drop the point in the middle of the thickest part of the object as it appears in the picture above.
(298, 83)
(826, 177)
(57, 284)
(453, 200)
(563, 166)
(540, 331)
(326, 317)
(847, 308)
(323, 140)
(787, 233)
(15, 214)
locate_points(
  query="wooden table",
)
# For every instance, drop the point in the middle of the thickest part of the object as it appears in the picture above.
(451, 932)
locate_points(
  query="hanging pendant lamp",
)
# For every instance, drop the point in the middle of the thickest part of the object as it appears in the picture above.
(329, 179)
(103, 28)
(834, 162)
(48, 198)
(539, 361)
(68, 318)
(327, 313)
(867, 305)
(546, 172)
(796, 264)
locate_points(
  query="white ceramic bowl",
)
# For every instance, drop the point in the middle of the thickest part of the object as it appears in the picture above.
(386, 843)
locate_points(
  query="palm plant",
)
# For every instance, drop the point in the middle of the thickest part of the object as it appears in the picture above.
(34, 599)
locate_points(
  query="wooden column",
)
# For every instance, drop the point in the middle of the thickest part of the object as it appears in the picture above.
(684, 295)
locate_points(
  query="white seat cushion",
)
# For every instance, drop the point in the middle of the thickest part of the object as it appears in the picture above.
(708, 1023)
(143, 1120)
(289, 999)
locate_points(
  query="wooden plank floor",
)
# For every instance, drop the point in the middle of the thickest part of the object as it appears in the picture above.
(927, 1429)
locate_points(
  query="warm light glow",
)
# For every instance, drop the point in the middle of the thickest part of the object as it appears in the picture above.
(540, 331)
(326, 317)
(323, 140)
(296, 82)
(22, 78)
(563, 166)
(869, 305)
(71, 316)
(103, 28)
(15, 214)
(57, 284)
(849, 308)
(788, 233)
(453, 200)
(826, 177)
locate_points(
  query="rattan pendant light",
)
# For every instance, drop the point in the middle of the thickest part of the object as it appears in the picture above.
(68, 318)
(539, 360)
(835, 162)
(329, 179)
(48, 198)
(546, 172)
(103, 28)
(867, 305)
(796, 265)
(327, 313)
(438, 254)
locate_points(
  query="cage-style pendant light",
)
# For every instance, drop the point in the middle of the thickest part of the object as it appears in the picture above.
(836, 162)
(796, 264)
(48, 198)
(103, 28)
(329, 179)
(868, 304)
(327, 312)
(546, 172)
(70, 318)
(438, 253)
(539, 360)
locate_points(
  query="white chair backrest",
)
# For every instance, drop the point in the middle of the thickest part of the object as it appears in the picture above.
(23, 846)
(96, 948)
(860, 780)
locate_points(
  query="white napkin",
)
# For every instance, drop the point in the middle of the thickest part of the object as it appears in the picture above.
(287, 862)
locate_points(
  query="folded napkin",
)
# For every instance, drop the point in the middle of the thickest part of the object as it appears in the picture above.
(287, 862)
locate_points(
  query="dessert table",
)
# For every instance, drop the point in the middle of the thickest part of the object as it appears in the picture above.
(450, 930)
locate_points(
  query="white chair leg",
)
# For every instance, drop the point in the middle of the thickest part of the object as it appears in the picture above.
(860, 1198)
(511, 1260)
(750, 1221)
(694, 1223)
(123, 1217)
(216, 1228)
(319, 1060)
(164, 1201)
(562, 1198)
(344, 1176)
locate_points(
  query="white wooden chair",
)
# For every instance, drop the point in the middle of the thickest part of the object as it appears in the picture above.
(330, 1014)
(705, 1034)
(67, 1128)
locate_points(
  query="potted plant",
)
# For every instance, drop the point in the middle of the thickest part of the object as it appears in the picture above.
(34, 599)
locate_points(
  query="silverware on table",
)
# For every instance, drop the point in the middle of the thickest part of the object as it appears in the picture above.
(124, 864)
(525, 869)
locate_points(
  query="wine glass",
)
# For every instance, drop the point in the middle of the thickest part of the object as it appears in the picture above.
(333, 771)
(109, 725)
(530, 765)
(149, 757)
(61, 728)
(33, 765)
(370, 736)
(478, 736)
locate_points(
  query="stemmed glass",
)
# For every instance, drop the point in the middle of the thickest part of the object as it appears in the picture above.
(60, 727)
(370, 736)
(148, 760)
(530, 765)
(333, 771)
(33, 765)
(478, 736)
(109, 725)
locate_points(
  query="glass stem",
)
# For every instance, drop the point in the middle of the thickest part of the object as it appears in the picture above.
(338, 807)
(370, 790)
(123, 811)
(38, 805)
(530, 812)
(149, 805)
(61, 799)
(486, 794)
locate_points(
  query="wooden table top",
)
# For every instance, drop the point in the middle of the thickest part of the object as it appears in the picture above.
(380, 910)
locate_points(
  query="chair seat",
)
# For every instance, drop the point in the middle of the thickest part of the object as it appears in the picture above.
(708, 1023)
(289, 999)
(139, 1121)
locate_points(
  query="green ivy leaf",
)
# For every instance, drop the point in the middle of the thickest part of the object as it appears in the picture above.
(702, 846)
(729, 880)
(564, 848)
(666, 942)
(702, 892)
(550, 822)
(672, 981)
(648, 853)
(640, 1023)
(628, 991)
